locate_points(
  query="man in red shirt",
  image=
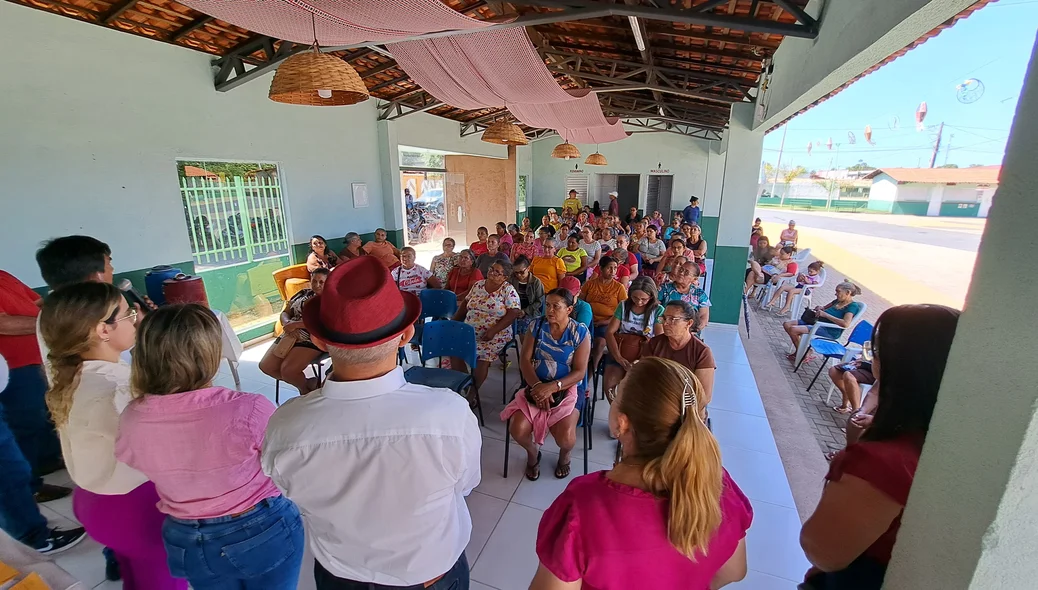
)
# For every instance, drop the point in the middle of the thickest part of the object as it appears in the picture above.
(27, 436)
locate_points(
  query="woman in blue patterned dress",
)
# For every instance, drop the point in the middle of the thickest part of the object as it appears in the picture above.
(553, 362)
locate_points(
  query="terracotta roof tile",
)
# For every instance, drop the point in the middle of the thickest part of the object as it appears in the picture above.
(975, 175)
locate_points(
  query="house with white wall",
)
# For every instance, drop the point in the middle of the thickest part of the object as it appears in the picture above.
(933, 192)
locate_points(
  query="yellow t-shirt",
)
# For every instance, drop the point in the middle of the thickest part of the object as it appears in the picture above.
(547, 269)
(571, 204)
(571, 258)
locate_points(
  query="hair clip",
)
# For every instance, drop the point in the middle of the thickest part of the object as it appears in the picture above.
(688, 397)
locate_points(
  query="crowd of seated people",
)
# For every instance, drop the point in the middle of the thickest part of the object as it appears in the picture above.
(161, 418)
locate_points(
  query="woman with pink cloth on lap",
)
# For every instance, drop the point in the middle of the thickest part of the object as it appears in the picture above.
(553, 362)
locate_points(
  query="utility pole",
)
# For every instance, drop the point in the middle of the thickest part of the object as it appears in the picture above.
(778, 166)
(937, 145)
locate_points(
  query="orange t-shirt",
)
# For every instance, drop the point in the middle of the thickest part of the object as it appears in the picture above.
(603, 296)
(547, 269)
(385, 252)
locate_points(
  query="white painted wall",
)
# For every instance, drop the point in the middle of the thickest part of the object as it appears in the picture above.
(686, 158)
(913, 192)
(436, 133)
(883, 189)
(960, 193)
(93, 121)
(855, 35)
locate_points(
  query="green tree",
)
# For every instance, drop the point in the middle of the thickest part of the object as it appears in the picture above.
(949, 166)
(789, 175)
(861, 165)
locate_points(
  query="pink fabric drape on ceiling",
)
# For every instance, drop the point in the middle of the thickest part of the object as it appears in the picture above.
(338, 22)
(604, 134)
(582, 111)
(480, 70)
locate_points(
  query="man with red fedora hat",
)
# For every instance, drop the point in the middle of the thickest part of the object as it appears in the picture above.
(379, 467)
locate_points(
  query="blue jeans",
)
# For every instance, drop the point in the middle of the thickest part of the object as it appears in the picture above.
(455, 579)
(29, 420)
(261, 549)
(19, 515)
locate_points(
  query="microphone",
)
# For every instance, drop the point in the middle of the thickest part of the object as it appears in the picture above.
(133, 295)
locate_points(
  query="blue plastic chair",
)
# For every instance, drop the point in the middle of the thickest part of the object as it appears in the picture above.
(438, 304)
(447, 338)
(831, 349)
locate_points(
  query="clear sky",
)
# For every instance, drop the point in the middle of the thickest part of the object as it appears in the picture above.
(992, 45)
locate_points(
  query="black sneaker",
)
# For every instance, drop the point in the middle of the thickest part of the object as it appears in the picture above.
(112, 573)
(60, 540)
(49, 493)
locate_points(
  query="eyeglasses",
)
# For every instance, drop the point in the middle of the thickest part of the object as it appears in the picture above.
(495, 272)
(132, 316)
(673, 319)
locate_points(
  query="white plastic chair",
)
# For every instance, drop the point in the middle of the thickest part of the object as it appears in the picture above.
(805, 340)
(769, 289)
(802, 255)
(802, 300)
(832, 388)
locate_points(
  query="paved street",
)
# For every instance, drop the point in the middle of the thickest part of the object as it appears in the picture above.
(904, 259)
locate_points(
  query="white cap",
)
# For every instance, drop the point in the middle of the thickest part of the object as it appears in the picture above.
(614, 194)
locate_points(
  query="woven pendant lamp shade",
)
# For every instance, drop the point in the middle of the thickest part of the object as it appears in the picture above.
(565, 151)
(505, 133)
(304, 77)
(596, 159)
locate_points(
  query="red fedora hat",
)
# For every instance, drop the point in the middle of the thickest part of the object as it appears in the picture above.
(361, 306)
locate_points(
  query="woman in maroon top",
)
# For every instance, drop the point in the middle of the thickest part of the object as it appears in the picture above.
(464, 275)
(850, 536)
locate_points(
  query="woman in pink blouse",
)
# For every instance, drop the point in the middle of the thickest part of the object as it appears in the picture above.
(227, 526)
(667, 516)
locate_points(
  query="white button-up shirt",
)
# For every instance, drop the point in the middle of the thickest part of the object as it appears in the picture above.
(379, 469)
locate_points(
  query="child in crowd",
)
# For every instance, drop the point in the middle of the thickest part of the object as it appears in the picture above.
(813, 277)
(529, 247)
(412, 277)
(228, 526)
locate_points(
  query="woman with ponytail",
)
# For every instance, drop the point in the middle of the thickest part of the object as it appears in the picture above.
(86, 327)
(667, 516)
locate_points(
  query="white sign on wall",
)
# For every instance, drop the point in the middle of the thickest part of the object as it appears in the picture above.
(360, 195)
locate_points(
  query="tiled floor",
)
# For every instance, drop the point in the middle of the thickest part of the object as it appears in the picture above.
(505, 512)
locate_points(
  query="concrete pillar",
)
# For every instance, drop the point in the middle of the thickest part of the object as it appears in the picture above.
(972, 517)
(936, 197)
(738, 196)
(392, 199)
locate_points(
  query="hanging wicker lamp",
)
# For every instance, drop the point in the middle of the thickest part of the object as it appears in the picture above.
(313, 78)
(505, 133)
(596, 159)
(565, 151)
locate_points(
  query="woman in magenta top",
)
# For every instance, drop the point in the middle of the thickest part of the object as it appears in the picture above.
(227, 525)
(667, 516)
(850, 549)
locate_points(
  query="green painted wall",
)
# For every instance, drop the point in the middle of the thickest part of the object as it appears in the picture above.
(910, 208)
(709, 225)
(955, 209)
(300, 251)
(727, 283)
(881, 206)
(834, 205)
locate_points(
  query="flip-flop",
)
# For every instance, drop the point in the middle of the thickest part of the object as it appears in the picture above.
(561, 471)
(536, 467)
(842, 410)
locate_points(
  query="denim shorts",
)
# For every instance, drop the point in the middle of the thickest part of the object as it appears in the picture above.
(261, 549)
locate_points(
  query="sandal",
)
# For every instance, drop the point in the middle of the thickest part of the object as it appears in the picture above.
(831, 455)
(843, 410)
(561, 470)
(533, 472)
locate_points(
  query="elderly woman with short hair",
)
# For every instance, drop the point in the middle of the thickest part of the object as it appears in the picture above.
(840, 311)
(490, 307)
(679, 345)
(553, 362)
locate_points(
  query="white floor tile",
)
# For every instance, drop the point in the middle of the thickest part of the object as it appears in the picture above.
(541, 493)
(63, 506)
(773, 542)
(735, 398)
(734, 374)
(106, 585)
(759, 475)
(85, 562)
(485, 511)
(742, 430)
(491, 466)
(509, 559)
(730, 354)
(760, 581)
